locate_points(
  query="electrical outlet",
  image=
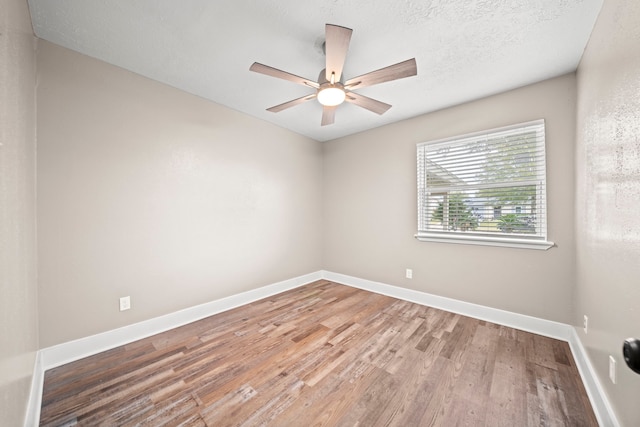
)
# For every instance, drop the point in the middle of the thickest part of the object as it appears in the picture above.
(612, 369)
(585, 324)
(409, 273)
(125, 303)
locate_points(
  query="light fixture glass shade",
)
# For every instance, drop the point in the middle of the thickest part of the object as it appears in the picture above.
(331, 96)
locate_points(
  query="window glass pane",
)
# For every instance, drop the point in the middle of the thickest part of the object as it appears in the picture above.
(491, 183)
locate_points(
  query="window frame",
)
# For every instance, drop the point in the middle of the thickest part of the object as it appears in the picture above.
(539, 241)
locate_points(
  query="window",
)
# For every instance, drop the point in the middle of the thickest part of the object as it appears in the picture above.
(486, 188)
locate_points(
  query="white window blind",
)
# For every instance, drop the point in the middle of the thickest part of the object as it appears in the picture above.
(485, 188)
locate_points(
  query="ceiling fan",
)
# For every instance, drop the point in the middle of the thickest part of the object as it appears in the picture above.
(331, 91)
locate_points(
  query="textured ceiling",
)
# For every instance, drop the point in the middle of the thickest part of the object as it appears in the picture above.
(465, 49)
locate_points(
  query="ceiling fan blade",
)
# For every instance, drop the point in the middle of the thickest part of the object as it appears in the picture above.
(336, 45)
(400, 70)
(292, 103)
(328, 115)
(367, 103)
(274, 72)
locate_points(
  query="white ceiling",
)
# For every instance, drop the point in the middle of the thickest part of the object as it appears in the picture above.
(465, 49)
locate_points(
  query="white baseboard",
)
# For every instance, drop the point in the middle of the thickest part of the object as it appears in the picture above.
(601, 406)
(73, 350)
(523, 322)
(32, 418)
(61, 354)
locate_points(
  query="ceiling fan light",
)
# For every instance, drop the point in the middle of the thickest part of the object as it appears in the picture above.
(331, 96)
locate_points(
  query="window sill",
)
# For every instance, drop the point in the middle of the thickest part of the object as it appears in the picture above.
(486, 241)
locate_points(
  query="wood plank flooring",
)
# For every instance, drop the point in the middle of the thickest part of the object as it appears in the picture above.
(325, 355)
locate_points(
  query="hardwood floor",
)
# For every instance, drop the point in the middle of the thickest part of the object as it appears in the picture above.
(325, 354)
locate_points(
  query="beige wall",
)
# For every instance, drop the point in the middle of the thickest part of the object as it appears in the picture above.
(370, 208)
(608, 198)
(150, 192)
(147, 191)
(18, 298)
